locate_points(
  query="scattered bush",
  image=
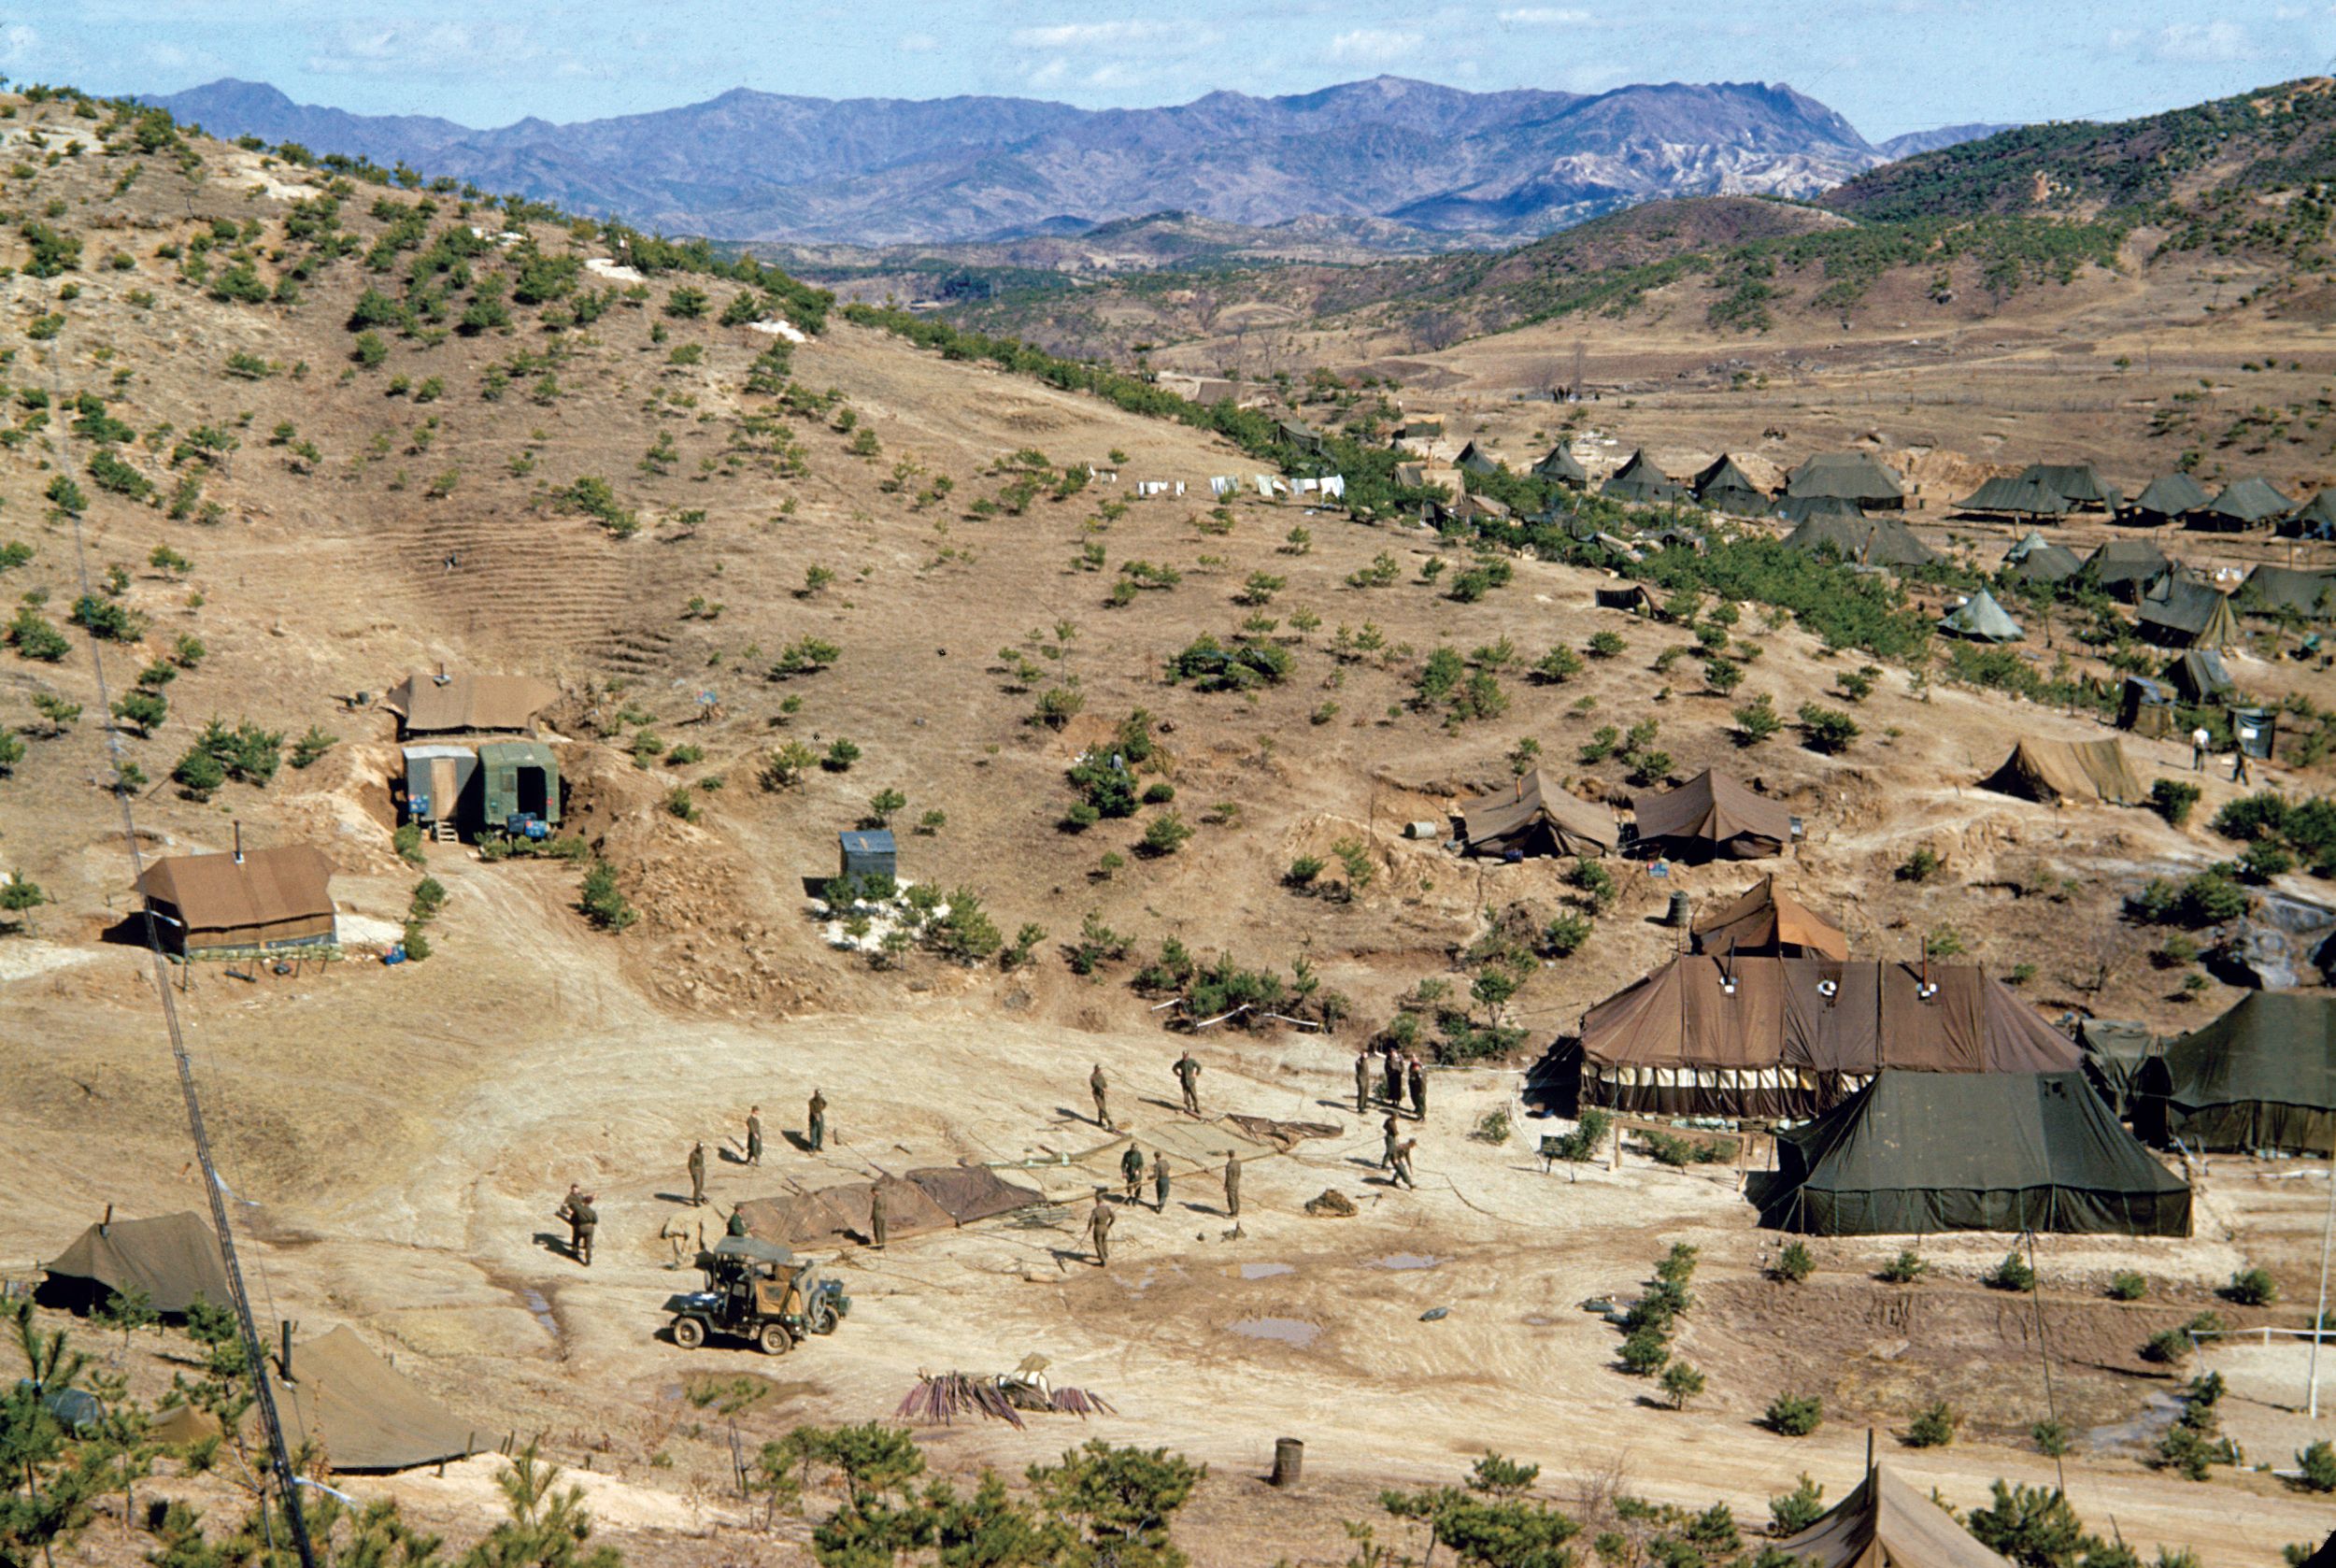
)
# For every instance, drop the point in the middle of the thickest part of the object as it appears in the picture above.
(2173, 800)
(1681, 1382)
(1794, 1416)
(2251, 1286)
(1905, 1269)
(1794, 1264)
(1933, 1426)
(1798, 1509)
(2128, 1286)
(1645, 1350)
(2012, 1274)
(2317, 1464)
(1828, 730)
(603, 902)
(2051, 1437)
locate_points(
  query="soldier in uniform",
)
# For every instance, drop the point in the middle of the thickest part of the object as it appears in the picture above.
(1188, 1075)
(1403, 1164)
(1159, 1181)
(1418, 1077)
(1362, 1081)
(1394, 1074)
(815, 1133)
(1387, 1147)
(582, 1221)
(1099, 1225)
(1101, 1089)
(697, 1175)
(1233, 1184)
(738, 1226)
(754, 1136)
(876, 1217)
(1132, 1171)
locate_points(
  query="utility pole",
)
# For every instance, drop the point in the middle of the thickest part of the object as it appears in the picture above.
(2319, 1318)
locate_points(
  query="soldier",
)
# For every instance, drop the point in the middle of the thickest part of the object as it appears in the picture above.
(1403, 1164)
(1418, 1077)
(697, 1175)
(1233, 1184)
(1394, 1074)
(1132, 1171)
(1389, 1135)
(876, 1217)
(1159, 1181)
(1099, 1226)
(754, 1135)
(1189, 1075)
(1101, 1088)
(583, 1220)
(817, 1132)
(1362, 1081)
(738, 1226)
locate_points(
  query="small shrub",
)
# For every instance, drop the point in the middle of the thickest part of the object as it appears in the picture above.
(1793, 1415)
(1933, 1426)
(2317, 1464)
(1920, 867)
(2128, 1286)
(1681, 1382)
(2012, 1274)
(1304, 870)
(2167, 1347)
(840, 756)
(2052, 1438)
(1905, 1269)
(406, 841)
(603, 902)
(1645, 1350)
(1794, 1263)
(2251, 1286)
(2173, 800)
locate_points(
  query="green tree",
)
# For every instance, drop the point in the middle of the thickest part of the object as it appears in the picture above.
(1122, 1502)
(21, 895)
(143, 710)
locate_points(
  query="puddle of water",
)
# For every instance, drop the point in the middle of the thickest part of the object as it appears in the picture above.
(1535, 1321)
(1265, 1271)
(2155, 1420)
(1407, 1261)
(541, 1309)
(1288, 1331)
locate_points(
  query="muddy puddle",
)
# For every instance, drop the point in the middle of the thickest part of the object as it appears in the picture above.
(1294, 1332)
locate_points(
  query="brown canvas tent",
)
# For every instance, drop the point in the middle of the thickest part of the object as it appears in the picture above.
(173, 1259)
(1887, 1522)
(255, 898)
(436, 704)
(1534, 816)
(1711, 817)
(2057, 772)
(1775, 1037)
(1762, 919)
(361, 1413)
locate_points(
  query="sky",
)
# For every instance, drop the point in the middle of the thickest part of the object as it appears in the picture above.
(1889, 65)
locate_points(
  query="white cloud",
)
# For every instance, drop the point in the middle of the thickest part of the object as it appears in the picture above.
(919, 43)
(1375, 46)
(19, 43)
(1091, 35)
(1050, 73)
(425, 49)
(1545, 16)
(2187, 41)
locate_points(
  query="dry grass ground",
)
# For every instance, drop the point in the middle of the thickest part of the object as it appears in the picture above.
(396, 1137)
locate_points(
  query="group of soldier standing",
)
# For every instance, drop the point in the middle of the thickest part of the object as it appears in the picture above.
(582, 1219)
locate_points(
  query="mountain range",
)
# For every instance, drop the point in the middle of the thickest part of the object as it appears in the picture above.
(760, 166)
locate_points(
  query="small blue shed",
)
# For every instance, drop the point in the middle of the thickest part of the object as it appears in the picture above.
(868, 853)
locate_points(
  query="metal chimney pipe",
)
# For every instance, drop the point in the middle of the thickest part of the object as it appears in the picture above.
(239, 842)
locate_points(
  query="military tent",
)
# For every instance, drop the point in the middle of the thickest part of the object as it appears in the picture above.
(2015, 497)
(2146, 707)
(2242, 504)
(2079, 484)
(2037, 559)
(360, 1412)
(1854, 476)
(1534, 816)
(2262, 1077)
(173, 1259)
(2057, 772)
(2113, 1054)
(1724, 486)
(2325, 1555)
(1639, 481)
(1708, 1034)
(2269, 590)
(248, 899)
(2176, 610)
(2121, 567)
(1915, 1153)
(1799, 509)
(1562, 466)
(1475, 460)
(2167, 499)
(1631, 596)
(2314, 520)
(1886, 1523)
(1762, 919)
(1862, 541)
(2199, 676)
(1980, 619)
(1711, 817)
(443, 704)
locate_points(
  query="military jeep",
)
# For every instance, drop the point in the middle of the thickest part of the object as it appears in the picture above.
(759, 1292)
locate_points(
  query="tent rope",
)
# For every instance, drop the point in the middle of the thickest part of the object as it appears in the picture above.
(256, 1354)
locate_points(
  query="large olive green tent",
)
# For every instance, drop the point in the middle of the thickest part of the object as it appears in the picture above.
(2037, 559)
(2167, 499)
(1915, 1153)
(1862, 541)
(361, 1413)
(1711, 817)
(2199, 676)
(2243, 504)
(2113, 1054)
(2044, 489)
(1475, 460)
(1855, 477)
(1534, 816)
(1725, 487)
(1886, 1523)
(2178, 611)
(1764, 919)
(2262, 1075)
(2314, 520)
(173, 1259)
(2271, 589)
(1797, 509)
(1639, 480)
(1562, 466)
(2122, 567)
(2059, 772)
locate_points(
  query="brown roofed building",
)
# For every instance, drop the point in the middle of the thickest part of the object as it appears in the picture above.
(1711, 817)
(449, 705)
(1533, 817)
(249, 899)
(173, 1259)
(1764, 919)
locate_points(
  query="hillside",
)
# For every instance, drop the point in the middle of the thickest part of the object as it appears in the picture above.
(757, 166)
(279, 434)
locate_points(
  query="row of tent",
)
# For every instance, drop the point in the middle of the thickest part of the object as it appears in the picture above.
(1710, 817)
(2173, 606)
(2047, 489)
(1834, 483)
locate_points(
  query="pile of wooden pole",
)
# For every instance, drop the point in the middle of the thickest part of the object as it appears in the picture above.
(944, 1396)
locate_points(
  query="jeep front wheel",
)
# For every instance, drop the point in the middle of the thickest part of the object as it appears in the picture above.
(689, 1333)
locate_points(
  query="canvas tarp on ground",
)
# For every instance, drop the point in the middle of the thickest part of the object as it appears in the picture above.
(173, 1259)
(361, 1413)
(426, 705)
(2268, 590)
(1980, 619)
(2177, 611)
(2114, 1055)
(2171, 496)
(1887, 1522)
(2262, 1075)
(2037, 559)
(2120, 568)
(934, 1198)
(969, 1192)
(1711, 817)
(1918, 1153)
(1764, 919)
(2057, 772)
(1862, 541)
(1680, 1043)
(1852, 475)
(1639, 480)
(1537, 818)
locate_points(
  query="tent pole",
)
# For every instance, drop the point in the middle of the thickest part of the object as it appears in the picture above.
(2319, 1321)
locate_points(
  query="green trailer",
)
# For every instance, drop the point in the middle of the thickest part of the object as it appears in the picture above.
(522, 787)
